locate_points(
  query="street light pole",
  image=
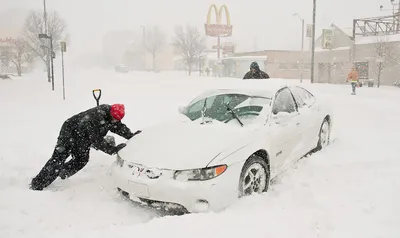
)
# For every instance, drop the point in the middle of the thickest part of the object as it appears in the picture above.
(302, 46)
(313, 42)
(63, 49)
(45, 36)
(45, 16)
(52, 62)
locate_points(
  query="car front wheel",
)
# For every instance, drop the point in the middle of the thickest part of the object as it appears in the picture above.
(254, 177)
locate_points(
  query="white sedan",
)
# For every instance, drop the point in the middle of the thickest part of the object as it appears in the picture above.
(226, 143)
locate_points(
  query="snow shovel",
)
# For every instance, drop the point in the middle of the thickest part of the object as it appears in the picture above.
(97, 98)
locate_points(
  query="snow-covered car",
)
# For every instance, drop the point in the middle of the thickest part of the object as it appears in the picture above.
(225, 144)
(121, 69)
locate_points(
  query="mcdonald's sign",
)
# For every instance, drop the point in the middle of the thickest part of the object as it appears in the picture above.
(218, 29)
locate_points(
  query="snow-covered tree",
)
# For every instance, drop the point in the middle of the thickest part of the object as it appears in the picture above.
(5, 61)
(189, 44)
(387, 55)
(21, 53)
(35, 25)
(155, 41)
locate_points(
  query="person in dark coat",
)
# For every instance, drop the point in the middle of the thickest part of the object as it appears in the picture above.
(255, 72)
(79, 133)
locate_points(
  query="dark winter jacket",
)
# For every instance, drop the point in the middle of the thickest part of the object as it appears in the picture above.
(88, 129)
(259, 74)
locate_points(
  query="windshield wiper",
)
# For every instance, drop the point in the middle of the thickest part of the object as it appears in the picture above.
(233, 114)
(203, 112)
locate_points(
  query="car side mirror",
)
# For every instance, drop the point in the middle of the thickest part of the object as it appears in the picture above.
(281, 117)
(181, 109)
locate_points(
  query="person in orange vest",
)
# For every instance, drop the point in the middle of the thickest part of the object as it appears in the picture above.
(353, 77)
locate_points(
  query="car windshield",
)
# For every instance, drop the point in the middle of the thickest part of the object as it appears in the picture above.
(218, 107)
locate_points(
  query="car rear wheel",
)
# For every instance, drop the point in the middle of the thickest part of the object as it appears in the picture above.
(324, 135)
(254, 177)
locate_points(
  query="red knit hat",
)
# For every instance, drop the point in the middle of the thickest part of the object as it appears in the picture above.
(117, 111)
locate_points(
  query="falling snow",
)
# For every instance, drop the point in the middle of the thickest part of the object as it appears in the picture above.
(348, 190)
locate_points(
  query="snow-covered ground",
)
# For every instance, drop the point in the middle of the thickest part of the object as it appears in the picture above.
(352, 189)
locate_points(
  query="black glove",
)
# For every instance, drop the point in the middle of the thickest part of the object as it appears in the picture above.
(137, 132)
(119, 147)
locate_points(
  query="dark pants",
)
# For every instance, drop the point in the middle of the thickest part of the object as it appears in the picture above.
(56, 165)
(353, 87)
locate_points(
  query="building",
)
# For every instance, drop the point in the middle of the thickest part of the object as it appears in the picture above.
(280, 63)
(7, 47)
(122, 47)
(374, 51)
(127, 48)
(11, 23)
(333, 55)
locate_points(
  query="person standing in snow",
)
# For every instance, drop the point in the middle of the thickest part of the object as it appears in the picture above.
(353, 77)
(79, 133)
(255, 72)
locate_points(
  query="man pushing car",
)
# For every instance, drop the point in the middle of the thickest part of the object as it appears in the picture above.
(79, 133)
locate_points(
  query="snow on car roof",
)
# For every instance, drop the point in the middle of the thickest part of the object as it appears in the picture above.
(258, 88)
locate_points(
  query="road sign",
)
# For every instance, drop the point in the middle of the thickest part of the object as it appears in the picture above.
(63, 46)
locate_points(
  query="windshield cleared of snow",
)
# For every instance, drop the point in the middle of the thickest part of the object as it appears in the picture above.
(226, 107)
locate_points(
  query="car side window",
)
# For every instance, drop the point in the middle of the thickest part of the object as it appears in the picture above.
(308, 98)
(298, 94)
(284, 102)
(197, 106)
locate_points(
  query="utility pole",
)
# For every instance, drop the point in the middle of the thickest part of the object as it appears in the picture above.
(46, 32)
(313, 42)
(63, 49)
(398, 17)
(52, 62)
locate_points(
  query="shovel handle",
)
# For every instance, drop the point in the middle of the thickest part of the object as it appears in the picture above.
(97, 98)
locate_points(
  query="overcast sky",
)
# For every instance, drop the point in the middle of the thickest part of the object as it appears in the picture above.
(269, 23)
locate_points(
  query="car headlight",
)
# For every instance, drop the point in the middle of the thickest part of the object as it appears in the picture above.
(200, 174)
(120, 161)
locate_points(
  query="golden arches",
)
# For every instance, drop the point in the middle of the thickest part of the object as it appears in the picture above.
(218, 14)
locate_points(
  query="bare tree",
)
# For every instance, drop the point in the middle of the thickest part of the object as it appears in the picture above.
(5, 60)
(20, 54)
(189, 44)
(155, 41)
(34, 25)
(387, 55)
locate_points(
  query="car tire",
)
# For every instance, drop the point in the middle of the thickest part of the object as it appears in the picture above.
(324, 135)
(255, 176)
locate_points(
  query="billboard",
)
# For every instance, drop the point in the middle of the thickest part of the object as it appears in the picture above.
(8, 41)
(218, 29)
(327, 39)
(227, 48)
(309, 30)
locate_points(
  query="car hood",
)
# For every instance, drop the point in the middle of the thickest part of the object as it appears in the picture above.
(180, 144)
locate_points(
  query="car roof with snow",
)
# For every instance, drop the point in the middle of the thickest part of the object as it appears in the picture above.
(255, 88)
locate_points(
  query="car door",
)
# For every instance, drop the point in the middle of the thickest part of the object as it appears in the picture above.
(308, 117)
(284, 131)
